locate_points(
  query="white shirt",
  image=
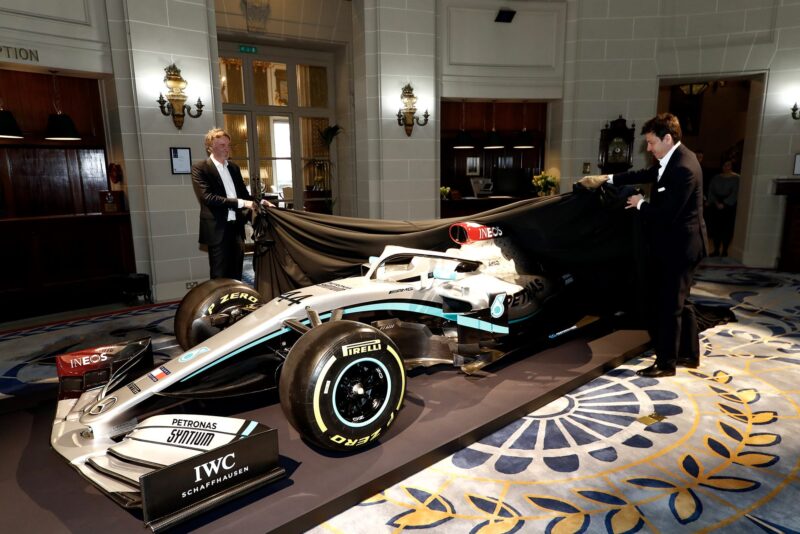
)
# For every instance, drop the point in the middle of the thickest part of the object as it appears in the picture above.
(662, 163)
(227, 183)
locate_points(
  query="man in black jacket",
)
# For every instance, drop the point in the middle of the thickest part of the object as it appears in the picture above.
(224, 199)
(673, 221)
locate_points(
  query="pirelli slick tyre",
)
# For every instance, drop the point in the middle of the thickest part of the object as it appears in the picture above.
(214, 296)
(342, 385)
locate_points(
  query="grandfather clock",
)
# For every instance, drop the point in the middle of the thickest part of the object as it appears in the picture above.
(616, 147)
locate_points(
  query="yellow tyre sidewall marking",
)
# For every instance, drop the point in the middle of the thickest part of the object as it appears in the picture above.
(318, 391)
(318, 387)
(402, 375)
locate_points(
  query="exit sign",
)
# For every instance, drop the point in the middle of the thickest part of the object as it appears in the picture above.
(247, 49)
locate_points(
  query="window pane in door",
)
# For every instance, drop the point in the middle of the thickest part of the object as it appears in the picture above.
(312, 86)
(274, 151)
(269, 83)
(315, 153)
(230, 77)
(236, 126)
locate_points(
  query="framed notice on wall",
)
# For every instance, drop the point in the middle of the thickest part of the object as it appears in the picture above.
(181, 158)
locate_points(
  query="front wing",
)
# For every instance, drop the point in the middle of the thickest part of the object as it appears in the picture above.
(173, 467)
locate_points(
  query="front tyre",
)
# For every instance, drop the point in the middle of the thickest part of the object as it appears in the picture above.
(217, 296)
(342, 385)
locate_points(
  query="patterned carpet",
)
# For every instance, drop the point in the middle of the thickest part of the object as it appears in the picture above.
(717, 452)
(27, 357)
(710, 449)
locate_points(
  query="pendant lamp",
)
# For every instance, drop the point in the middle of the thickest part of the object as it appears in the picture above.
(494, 141)
(59, 125)
(524, 138)
(9, 129)
(463, 139)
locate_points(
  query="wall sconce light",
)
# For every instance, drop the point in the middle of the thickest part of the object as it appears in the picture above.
(9, 129)
(176, 107)
(407, 115)
(795, 112)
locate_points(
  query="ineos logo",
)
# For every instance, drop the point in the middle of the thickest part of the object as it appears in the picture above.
(88, 360)
(488, 232)
(213, 467)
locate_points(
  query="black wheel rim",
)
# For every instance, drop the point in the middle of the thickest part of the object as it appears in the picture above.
(360, 392)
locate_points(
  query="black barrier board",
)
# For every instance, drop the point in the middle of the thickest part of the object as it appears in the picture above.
(182, 490)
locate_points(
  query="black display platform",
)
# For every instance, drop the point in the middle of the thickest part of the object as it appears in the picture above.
(443, 412)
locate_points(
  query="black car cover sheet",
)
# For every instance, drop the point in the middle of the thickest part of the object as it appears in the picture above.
(585, 233)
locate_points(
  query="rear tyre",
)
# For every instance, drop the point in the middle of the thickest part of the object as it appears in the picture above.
(342, 385)
(221, 295)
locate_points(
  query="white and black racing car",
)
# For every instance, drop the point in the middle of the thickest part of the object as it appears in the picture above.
(336, 351)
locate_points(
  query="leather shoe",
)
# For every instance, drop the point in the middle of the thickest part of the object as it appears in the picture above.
(688, 362)
(655, 372)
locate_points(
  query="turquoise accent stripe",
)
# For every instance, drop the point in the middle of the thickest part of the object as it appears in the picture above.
(237, 351)
(249, 428)
(432, 310)
(471, 322)
(398, 306)
(395, 306)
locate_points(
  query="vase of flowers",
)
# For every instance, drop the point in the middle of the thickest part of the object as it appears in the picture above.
(444, 192)
(545, 185)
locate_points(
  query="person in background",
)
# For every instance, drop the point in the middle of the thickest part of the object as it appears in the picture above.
(676, 233)
(723, 192)
(224, 201)
(707, 173)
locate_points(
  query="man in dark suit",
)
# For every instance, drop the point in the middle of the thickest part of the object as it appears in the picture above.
(224, 199)
(673, 221)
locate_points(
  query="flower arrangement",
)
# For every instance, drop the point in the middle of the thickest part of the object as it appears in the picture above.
(545, 185)
(444, 192)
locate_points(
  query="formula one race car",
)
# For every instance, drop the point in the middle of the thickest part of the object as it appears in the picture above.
(336, 351)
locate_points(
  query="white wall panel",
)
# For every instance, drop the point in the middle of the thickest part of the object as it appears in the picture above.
(70, 35)
(481, 58)
(528, 41)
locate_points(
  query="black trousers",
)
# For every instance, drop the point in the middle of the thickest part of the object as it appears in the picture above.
(225, 259)
(721, 225)
(673, 323)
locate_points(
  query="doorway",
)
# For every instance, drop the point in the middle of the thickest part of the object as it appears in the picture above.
(720, 117)
(278, 107)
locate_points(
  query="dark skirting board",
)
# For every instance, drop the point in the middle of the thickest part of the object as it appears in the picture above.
(444, 411)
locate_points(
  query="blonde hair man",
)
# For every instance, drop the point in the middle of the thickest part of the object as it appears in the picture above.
(224, 199)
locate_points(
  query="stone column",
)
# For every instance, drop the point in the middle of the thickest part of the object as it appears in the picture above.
(394, 44)
(146, 37)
